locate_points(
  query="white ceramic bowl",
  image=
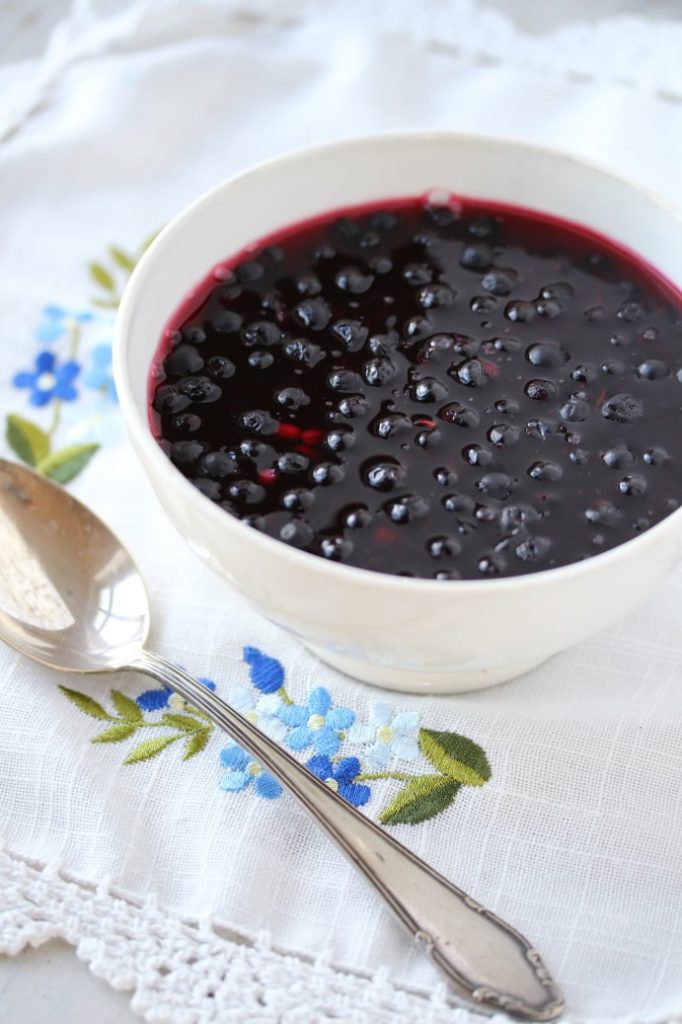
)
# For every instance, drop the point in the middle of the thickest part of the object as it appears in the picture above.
(397, 632)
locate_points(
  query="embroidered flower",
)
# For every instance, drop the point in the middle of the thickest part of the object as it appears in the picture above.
(100, 376)
(55, 320)
(242, 770)
(262, 712)
(316, 723)
(163, 697)
(339, 777)
(267, 674)
(49, 380)
(389, 735)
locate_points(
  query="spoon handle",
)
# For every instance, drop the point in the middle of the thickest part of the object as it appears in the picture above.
(484, 959)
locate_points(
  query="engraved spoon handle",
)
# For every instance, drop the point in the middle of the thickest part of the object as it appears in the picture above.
(484, 958)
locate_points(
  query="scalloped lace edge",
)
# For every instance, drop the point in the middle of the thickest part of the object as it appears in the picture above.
(189, 972)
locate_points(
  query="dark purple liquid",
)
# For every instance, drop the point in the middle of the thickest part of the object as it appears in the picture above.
(454, 391)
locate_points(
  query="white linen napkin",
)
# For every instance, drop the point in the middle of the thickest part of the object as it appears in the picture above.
(575, 836)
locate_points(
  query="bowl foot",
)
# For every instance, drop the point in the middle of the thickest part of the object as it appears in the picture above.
(416, 680)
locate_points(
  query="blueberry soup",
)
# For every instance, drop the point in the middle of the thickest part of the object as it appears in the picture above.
(446, 390)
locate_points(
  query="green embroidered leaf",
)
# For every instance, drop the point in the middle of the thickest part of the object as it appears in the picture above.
(126, 707)
(26, 440)
(184, 722)
(421, 798)
(67, 463)
(196, 743)
(101, 276)
(150, 748)
(116, 733)
(455, 756)
(86, 704)
(105, 303)
(121, 258)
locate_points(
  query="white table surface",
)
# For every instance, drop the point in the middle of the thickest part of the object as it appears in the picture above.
(50, 985)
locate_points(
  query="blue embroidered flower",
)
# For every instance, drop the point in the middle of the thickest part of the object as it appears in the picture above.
(261, 712)
(339, 777)
(54, 322)
(389, 735)
(100, 376)
(267, 674)
(49, 380)
(154, 700)
(242, 770)
(316, 723)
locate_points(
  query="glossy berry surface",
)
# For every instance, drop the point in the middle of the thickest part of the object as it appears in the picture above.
(454, 391)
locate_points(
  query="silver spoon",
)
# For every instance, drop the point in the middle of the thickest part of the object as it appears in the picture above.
(72, 598)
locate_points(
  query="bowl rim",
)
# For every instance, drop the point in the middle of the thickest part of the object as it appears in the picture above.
(138, 426)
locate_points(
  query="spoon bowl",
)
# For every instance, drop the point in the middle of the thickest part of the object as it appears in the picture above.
(72, 598)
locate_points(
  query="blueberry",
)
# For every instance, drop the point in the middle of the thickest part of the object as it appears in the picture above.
(533, 549)
(503, 434)
(656, 456)
(444, 476)
(247, 492)
(355, 517)
(384, 344)
(618, 458)
(427, 438)
(491, 565)
(336, 547)
(183, 360)
(477, 455)
(200, 389)
(187, 453)
(220, 368)
(292, 463)
(461, 504)
(259, 421)
(514, 518)
(547, 472)
(500, 281)
(260, 360)
(340, 440)
(261, 333)
(579, 456)
(383, 220)
(633, 484)
(248, 271)
(352, 406)
(622, 408)
(547, 354)
(470, 373)
(379, 371)
(211, 488)
(576, 410)
(313, 313)
(406, 508)
(344, 381)
(298, 499)
(559, 291)
(540, 390)
(351, 333)
(443, 546)
(417, 328)
(442, 216)
(541, 429)
(653, 369)
(303, 351)
(292, 398)
(460, 415)
(186, 423)
(507, 406)
(326, 473)
(389, 424)
(226, 321)
(604, 513)
(447, 574)
(369, 240)
(483, 304)
(496, 485)
(217, 465)
(353, 280)
(434, 296)
(253, 449)
(584, 373)
(436, 346)
(380, 264)
(383, 474)
(631, 312)
(428, 389)
(308, 283)
(168, 400)
(476, 256)
(505, 344)
(417, 273)
(297, 533)
(520, 311)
